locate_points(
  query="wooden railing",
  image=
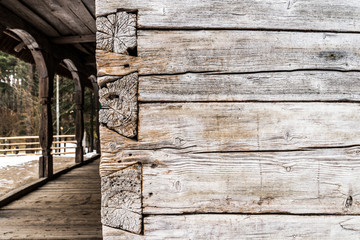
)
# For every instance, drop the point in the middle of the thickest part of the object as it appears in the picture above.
(30, 145)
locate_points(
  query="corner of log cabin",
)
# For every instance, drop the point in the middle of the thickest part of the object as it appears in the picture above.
(229, 119)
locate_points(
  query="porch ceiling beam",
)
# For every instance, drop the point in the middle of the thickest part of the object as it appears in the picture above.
(74, 39)
(11, 20)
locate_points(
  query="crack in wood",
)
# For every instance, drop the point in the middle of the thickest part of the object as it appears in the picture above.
(118, 100)
(121, 201)
(117, 33)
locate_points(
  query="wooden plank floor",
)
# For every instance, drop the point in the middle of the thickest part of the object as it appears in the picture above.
(65, 208)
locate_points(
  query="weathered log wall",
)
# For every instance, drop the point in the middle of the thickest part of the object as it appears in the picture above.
(223, 114)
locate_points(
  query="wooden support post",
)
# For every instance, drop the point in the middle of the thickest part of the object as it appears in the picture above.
(46, 161)
(45, 67)
(79, 121)
(91, 135)
(46, 128)
(79, 102)
(97, 107)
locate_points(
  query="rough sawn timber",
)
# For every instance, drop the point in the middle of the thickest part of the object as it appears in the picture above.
(170, 52)
(306, 182)
(175, 181)
(205, 127)
(279, 86)
(221, 226)
(328, 15)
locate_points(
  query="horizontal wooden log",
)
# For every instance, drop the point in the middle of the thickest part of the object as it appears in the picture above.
(329, 15)
(280, 86)
(300, 182)
(321, 181)
(207, 127)
(221, 226)
(170, 52)
(247, 226)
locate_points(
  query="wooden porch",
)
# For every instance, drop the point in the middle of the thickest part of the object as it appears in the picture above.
(67, 207)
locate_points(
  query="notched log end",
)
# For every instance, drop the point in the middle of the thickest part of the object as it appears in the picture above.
(117, 33)
(121, 205)
(119, 105)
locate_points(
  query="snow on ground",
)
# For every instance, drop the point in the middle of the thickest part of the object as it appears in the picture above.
(90, 155)
(18, 160)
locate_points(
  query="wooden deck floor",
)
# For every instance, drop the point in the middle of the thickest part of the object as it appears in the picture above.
(65, 208)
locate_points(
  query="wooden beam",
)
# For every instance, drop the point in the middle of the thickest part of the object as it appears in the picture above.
(34, 19)
(329, 15)
(222, 226)
(19, 47)
(273, 86)
(233, 52)
(74, 39)
(12, 21)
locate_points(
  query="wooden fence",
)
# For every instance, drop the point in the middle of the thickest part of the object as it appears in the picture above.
(30, 145)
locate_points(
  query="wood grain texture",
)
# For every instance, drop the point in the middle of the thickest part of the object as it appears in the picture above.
(176, 180)
(116, 32)
(328, 15)
(43, 10)
(280, 86)
(65, 208)
(222, 226)
(69, 16)
(207, 127)
(28, 15)
(119, 108)
(306, 182)
(121, 205)
(110, 233)
(170, 52)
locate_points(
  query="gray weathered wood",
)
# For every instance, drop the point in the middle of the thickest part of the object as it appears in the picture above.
(164, 52)
(177, 181)
(306, 182)
(118, 100)
(116, 32)
(54, 211)
(121, 204)
(221, 226)
(280, 86)
(110, 233)
(328, 15)
(249, 126)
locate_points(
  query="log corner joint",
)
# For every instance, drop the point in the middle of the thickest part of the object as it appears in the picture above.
(116, 33)
(121, 183)
(121, 198)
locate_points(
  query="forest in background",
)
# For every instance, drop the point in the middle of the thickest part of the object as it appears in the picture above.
(19, 102)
